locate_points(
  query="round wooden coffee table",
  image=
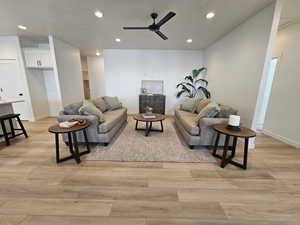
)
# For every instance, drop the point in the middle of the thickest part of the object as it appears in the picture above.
(244, 133)
(149, 121)
(71, 132)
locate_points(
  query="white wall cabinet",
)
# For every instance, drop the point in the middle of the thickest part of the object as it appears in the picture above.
(38, 58)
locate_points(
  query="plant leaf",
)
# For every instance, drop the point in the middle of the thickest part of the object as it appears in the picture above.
(202, 69)
(180, 93)
(190, 78)
(205, 92)
(195, 73)
(202, 80)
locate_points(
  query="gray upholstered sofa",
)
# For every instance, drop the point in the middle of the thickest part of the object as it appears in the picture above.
(99, 133)
(200, 133)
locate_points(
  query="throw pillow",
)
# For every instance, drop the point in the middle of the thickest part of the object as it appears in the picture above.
(226, 111)
(202, 104)
(189, 105)
(88, 108)
(72, 109)
(112, 103)
(209, 111)
(100, 104)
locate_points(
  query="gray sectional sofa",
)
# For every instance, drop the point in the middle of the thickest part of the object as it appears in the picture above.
(99, 133)
(201, 133)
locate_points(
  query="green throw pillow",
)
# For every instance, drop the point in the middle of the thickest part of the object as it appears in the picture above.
(189, 105)
(209, 111)
(88, 108)
(112, 103)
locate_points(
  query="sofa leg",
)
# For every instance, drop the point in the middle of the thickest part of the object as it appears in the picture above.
(191, 146)
(105, 144)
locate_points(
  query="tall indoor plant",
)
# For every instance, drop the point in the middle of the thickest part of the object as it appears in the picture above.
(193, 86)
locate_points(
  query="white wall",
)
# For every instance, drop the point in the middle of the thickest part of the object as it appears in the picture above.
(96, 76)
(53, 97)
(282, 119)
(38, 93)
(125, 69)
(236, 63)
(10, 49)
(67, 67)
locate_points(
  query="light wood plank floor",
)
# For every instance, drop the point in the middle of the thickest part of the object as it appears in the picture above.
(34, 190)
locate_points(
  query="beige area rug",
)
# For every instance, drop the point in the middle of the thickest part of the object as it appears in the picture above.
(130, 145)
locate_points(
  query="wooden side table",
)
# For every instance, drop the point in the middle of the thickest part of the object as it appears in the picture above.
(244, 133)
(72, 138)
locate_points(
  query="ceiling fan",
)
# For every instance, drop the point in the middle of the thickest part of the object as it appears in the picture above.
(155, 26)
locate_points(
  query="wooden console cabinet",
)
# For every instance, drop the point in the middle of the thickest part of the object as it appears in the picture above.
(157, 102)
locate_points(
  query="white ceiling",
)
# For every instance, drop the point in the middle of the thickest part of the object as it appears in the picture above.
(290, 13)
(74, 21)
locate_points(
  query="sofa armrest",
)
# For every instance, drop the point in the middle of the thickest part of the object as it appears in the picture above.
(208, 122)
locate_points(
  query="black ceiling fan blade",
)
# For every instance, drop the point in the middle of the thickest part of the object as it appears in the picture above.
(161, 35)
(166, 19)
(135, 28)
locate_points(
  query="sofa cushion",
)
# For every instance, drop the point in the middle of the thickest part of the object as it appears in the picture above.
(100, 104)
(88, 108)
(189, 104)
(202, 104)
(226, 111)
(112, 103)
(209, 111)
(72, 109)
(187, 120)
(111, 119)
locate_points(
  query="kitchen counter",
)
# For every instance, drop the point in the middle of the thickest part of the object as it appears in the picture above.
(5, 102)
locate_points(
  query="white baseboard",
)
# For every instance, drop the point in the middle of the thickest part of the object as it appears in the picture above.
(281, 138)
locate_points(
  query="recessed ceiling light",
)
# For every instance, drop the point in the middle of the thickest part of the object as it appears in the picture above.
(22, 27)
(210, 15)
(118, 40)
(189, 40)
(99, 14)
(98, 53)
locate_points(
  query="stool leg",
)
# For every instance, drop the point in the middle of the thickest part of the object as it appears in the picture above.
(12, 129)
(57, 147)
(225, 151)
(5, 132)
(86, 140)
(245, 153)
(22, 127)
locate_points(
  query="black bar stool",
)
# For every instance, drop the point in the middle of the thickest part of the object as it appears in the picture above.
(12, 133)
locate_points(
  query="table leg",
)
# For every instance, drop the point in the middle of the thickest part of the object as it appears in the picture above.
(86, 140)
(234, 147)
(57, 147)
(136, 125)
(162, 126)
(76, 152)
(216, 144)
(148, 128)
(245, 153)
(223, 162)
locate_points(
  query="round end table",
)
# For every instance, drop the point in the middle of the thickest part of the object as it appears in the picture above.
(72, 138)
(149, 121)
(244, 133)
